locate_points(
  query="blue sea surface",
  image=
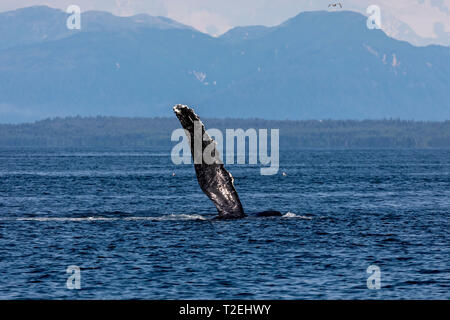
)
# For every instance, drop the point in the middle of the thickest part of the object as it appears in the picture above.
(138, 232)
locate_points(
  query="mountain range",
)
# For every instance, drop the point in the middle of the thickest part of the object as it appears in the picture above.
(316, 65)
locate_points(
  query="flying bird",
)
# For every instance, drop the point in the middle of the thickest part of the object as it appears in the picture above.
(335, 5)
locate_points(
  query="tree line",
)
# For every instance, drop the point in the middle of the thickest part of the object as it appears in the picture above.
(150, 132)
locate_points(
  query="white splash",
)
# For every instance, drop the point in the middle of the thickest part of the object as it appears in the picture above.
(293, 215)
(170, 217)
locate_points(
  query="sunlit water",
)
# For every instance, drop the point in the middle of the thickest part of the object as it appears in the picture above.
(137, 231)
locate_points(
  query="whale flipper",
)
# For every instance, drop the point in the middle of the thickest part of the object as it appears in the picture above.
(215, 181)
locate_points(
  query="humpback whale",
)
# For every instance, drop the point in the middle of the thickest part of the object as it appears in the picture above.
(214, 180)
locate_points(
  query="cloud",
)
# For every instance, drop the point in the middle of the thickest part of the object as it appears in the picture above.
(439, 30)
(132, 7)
(204, 21)
(441, 5)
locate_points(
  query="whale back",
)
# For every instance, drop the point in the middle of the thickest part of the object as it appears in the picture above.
(214, 180)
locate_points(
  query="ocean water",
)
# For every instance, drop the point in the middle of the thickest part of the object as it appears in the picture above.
(138, 232)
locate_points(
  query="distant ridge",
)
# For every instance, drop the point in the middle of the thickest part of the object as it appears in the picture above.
(316, 65)
(41, 23)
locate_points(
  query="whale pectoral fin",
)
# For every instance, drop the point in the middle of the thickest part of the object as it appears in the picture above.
(214, 180)
(217, 183)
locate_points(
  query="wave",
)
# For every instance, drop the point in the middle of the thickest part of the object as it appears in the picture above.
(170, 217)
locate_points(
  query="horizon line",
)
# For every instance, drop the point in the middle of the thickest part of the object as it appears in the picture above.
(79, 117)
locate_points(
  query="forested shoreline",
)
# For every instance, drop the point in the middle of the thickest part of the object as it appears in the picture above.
(99, 132)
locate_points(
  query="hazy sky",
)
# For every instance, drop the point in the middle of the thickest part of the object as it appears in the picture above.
(427, 18)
